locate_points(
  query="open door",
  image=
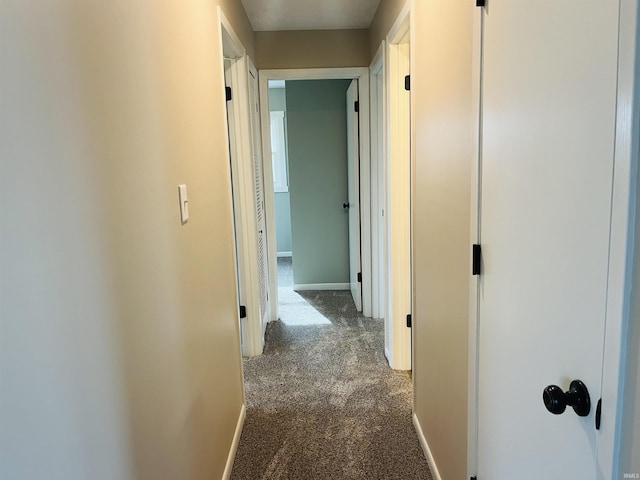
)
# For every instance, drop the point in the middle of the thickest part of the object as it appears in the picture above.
(261, 223)
(243, 184)
(353, 175)
(241, 266)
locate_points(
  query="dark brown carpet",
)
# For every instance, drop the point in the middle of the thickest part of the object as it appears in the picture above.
(322, 402)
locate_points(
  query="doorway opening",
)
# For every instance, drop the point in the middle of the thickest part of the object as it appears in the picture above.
(396, 191)
(300, 254)
(245, 158)
(315, 164)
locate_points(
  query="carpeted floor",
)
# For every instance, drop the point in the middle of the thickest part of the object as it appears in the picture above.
(322, 402)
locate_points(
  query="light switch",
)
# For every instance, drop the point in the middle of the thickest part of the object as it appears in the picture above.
(184, 203)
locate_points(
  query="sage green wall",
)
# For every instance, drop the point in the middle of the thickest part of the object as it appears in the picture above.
(283, 222)
(278, 103)
(317, 135)
(277, 100)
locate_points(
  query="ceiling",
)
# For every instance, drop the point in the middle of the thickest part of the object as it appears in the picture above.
(310, 14)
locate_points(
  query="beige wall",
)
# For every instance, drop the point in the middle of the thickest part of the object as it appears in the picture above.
(442, 89)
(312, 49)
(387, 12)
(119, 346)
(235, 13)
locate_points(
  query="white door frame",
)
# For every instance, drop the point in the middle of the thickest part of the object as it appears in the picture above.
(264, 315)
(398, 197)
(377, 71)
(354, 204)
(621, 248)
(241, 154)
(362, 75)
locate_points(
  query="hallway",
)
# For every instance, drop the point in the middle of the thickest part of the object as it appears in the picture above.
(323, 403)
(138, 270)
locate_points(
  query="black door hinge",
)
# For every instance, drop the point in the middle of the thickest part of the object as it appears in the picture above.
(477, 260)
(481, 3)
(359, 277)
(243, 311)
(356, 106)
(409, 321)
(598, 414)
(227, 93)
(407, 82)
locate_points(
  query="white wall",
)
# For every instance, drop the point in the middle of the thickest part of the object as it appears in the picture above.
(119, 346)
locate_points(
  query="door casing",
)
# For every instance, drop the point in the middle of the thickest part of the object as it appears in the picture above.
(399, 199)
(378, 182)
(240, 150)
(362, 75)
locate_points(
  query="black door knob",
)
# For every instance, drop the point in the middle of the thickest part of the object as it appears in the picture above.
(556, 401)
(345, 205)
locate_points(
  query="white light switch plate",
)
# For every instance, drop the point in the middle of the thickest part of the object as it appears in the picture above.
(184, 203)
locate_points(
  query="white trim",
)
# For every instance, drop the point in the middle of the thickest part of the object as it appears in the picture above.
(399, 197)
(400, 25)
(269, 195)
(284, 254)
(322, 286)
(365, 191)
(621, 248)
(234, 444)
(413, 176)
(378, 194)
(231, 45)
(474, 236)
(222, 22)
(362, 75)
(425, 448)
(314, 74)
(243, 178)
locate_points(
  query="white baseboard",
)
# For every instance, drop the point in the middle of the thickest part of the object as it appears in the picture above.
(234, 445)
(426, 449)
(284, 254)
(388, 357)
(322, 286)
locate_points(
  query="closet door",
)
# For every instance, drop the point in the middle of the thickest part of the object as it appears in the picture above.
(548, 116)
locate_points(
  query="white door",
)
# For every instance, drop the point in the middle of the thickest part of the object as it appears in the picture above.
(263, 269)
(548, 100)
(237, 230)
(353, 175)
